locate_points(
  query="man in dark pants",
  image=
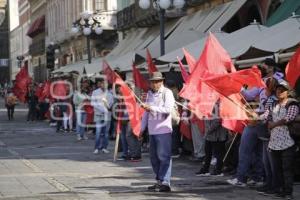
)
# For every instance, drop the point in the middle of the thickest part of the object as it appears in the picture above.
(159, 104)
(32, 100)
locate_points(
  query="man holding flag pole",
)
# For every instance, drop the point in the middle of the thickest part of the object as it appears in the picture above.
(159, 104)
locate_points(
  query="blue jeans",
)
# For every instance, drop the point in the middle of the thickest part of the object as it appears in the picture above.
(160, 156)
(124, 128)
(80, 122)
(250, 153)
(101, 133)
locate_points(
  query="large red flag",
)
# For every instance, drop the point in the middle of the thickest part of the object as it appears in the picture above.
(292, 70)
(214, 60)
(191, 61)
(232, 83)
(151, 66)
(21, 83)
(135, 112)
(139, 80)
(233, 113)
(184, 74)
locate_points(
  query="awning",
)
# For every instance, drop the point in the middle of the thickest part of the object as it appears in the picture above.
(194, 48)
(281, 36)
(284, 11)
(77, 66)
(129, 43)
(237, 43)
(192, 27)
(137, 40)
(38, 26)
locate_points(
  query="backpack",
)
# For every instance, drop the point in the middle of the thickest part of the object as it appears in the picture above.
(174, 112)
(294, 126)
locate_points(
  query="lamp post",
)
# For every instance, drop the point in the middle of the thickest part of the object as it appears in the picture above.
(161, 6)
(20, 60)
(88, 23)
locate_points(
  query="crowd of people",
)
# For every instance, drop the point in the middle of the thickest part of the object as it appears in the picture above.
(262, 156)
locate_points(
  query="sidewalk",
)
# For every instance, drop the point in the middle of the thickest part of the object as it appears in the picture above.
(37, 163)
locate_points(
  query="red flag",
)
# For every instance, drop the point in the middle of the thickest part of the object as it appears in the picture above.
(234, 125)
(135, 112)
(233, 115)
(191, 61)
(184, 74)
(45, 91)
(151, 66)
(185, 130)
(199, 122)
(139, 80)
(89, 109)
(214, 60)
(21, 83)
(235, 81)
(292, 70)
(111, 76)
(59, 89)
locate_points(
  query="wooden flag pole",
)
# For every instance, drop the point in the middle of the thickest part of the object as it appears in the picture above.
(226, 155)
(116, 147)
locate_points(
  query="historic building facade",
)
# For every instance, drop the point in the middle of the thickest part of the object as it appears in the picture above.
(72, 48)
(19, 41)
(37, 32)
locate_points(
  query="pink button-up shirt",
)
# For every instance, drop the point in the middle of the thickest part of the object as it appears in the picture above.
(159, 120)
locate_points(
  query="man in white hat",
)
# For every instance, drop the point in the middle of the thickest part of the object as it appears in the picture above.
(159, 104)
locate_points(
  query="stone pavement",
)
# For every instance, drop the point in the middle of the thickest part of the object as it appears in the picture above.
(38, 163)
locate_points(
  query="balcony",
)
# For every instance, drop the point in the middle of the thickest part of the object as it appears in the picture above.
(108, 19)
(136, 16)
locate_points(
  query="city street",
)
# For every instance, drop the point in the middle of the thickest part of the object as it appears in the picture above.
(38, 163)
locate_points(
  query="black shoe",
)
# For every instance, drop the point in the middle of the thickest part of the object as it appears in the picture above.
(135, 159)
(156, 186)
(164, 188)
(123, 158)
(202, 172)
(216, 173)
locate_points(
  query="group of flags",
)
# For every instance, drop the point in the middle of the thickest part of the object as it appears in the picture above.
(210, 79)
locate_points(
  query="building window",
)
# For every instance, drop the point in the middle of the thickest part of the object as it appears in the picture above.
(100, 5)
(3, 62)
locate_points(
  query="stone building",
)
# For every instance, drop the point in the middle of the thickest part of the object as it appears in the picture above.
(72, 48)
(37, 33)
(4, 44)
(19, 41)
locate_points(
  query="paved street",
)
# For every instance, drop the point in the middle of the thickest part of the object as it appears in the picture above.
(38, 163)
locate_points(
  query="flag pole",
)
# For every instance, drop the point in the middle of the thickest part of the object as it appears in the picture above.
(116, 146)
(226, 155)
(245, 109)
